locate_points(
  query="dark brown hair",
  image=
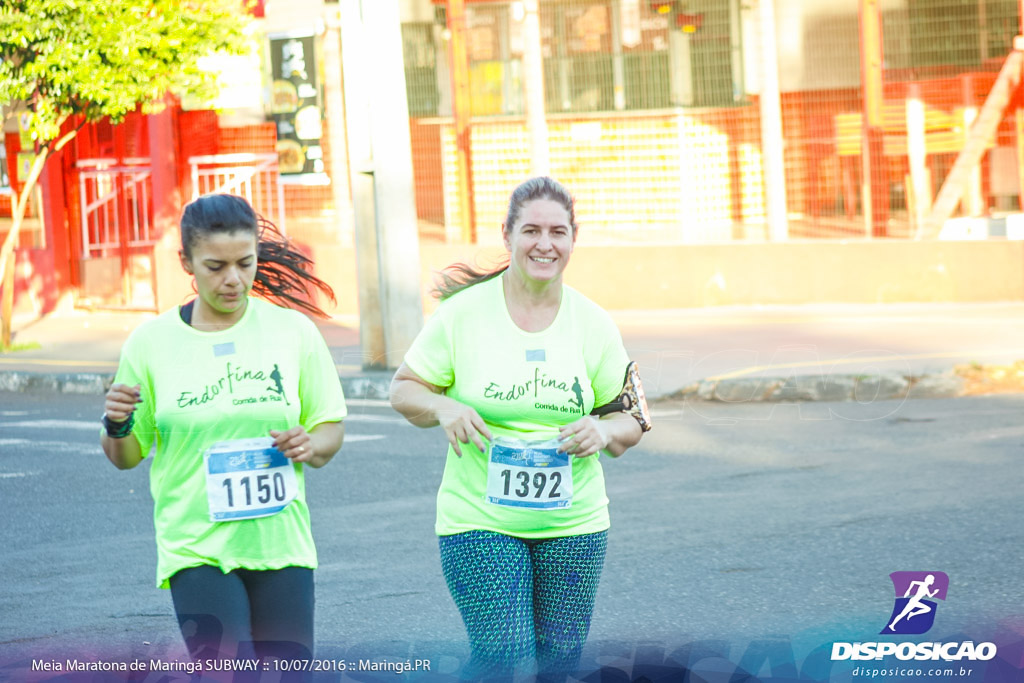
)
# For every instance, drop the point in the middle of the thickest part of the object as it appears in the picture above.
(283, 274)
(459, 276)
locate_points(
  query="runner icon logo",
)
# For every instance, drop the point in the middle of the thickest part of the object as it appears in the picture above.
(914, 609)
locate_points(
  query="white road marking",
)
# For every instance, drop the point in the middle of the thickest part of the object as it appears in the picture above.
(368, 402)
(93, 425)
(37, 446)
(666, 413)
(390, 417)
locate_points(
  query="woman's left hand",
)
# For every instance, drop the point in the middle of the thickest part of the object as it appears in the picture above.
(584, 437)
(294, 443)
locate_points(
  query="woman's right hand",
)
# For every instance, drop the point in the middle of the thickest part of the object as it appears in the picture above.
(462, 424)
(121, 401)
(425, 405)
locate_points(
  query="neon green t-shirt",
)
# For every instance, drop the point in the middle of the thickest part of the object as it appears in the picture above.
(525, 385)
(271, 370)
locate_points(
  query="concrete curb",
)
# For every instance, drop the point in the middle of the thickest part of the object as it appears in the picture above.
(801, 388)
(371, 385)
(60, 383)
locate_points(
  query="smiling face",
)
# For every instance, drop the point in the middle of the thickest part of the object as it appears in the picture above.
(224, 265)
(540, 242)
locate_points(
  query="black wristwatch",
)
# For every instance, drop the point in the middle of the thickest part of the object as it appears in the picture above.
(118, 430)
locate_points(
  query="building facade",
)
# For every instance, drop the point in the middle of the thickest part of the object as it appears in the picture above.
(653, 113)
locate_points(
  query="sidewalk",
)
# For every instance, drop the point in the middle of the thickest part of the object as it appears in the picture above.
(792, 353)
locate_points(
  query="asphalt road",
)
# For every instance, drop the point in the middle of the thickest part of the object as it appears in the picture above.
(743, 535)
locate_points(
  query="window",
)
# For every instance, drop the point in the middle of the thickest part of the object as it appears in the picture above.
(494, 48)
(646, 56)
(960, 32)
(598, 55)
(420, 69)
(711, 29)
(576, 43)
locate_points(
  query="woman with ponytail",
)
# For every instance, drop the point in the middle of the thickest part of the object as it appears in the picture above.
(231, 397)
(512, 365)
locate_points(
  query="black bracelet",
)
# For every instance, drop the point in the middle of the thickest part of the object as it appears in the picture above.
(118, 430)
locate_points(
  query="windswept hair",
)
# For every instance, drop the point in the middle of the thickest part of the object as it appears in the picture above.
(283, 274)
(459, 276)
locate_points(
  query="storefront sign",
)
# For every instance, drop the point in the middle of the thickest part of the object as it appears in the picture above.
(295, 104)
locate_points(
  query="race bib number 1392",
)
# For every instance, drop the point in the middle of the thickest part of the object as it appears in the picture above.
(529, 474)
(248, 478)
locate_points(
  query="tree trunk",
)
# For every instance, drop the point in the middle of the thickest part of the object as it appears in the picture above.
(20, 207)
(7, 250)
(7, 307)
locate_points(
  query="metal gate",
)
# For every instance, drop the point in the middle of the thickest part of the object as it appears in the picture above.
(116, 200)
(253, 176)
(117, 205)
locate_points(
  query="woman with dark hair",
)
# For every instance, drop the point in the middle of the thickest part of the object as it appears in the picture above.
(511, 365)
(230, 396)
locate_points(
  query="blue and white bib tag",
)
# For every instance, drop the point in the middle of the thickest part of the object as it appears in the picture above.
(529, 474)
(248, 478)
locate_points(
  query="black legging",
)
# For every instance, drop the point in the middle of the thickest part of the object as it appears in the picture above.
(245, 613)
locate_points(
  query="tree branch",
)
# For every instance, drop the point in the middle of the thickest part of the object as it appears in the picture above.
(56, 145)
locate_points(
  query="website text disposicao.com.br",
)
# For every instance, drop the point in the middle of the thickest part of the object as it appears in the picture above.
(951, 672)
(912, 658)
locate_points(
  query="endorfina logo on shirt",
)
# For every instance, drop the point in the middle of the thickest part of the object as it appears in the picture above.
(913, 614)
(242, 384)
(558, 394)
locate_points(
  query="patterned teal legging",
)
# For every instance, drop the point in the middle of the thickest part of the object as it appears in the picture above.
(523, 598)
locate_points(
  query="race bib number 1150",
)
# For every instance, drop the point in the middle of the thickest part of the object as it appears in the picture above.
(248, 478)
